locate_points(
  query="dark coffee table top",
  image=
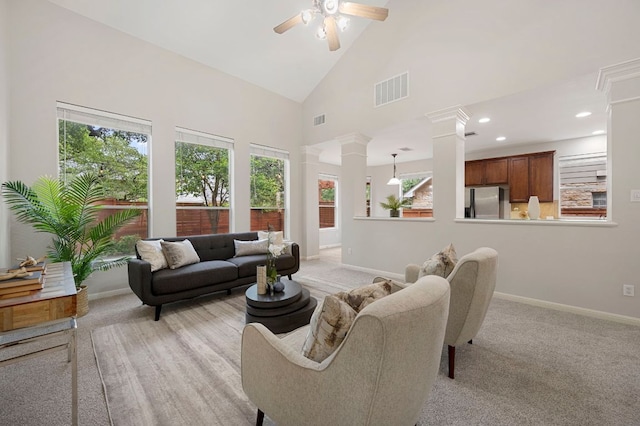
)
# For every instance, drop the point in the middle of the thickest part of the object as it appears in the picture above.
(292, 292)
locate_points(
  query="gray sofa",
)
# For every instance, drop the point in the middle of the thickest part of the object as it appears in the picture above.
(217, 270)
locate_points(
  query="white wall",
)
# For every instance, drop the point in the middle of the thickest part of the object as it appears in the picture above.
(56, 55)
(463, 52)
(4, 134)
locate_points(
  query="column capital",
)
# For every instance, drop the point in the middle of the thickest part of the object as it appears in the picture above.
(455, 112)
(624, 76)
(355, 137)
(310, 150)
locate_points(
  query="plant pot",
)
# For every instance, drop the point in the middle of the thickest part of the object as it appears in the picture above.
(394, 213)
(82, 301)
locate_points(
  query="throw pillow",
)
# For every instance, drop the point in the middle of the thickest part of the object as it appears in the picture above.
(151, 251)
(277, 237)
(441, 263)
(246, 248)
(328, 327)
(179, 253)
(360, 297)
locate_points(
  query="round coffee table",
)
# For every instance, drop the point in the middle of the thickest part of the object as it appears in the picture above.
(284, 311)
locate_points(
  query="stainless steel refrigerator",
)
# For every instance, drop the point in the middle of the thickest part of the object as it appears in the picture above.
(484, 203)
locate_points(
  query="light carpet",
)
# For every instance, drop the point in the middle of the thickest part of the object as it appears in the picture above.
(527, 366)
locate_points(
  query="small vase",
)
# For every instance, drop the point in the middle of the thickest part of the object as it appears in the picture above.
(534, 208)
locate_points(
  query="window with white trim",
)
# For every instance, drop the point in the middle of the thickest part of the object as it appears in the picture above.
(269, 188)
(114, 147)
(327, 201)
(203, 183)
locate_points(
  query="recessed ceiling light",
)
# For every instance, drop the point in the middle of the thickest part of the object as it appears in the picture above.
(501, 138)
(583, 114)
(484, 120)
(598, 132)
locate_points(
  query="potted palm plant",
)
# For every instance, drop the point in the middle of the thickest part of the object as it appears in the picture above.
(69, 211)
(394, 204)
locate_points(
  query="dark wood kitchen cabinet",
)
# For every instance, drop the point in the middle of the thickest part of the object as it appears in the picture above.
(531, 174)
(493, 171)
(519, 179)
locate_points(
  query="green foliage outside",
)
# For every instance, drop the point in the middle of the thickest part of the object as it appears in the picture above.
(267, 182)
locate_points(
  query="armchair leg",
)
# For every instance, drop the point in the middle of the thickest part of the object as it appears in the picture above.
(452, 361)
(158, 308)
(259, 418)
(471, 342)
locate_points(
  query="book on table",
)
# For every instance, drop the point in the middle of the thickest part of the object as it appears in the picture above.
(33, 278)
(38, 267)
(22, 290)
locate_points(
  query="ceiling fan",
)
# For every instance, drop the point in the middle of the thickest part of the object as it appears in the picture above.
(333, 12)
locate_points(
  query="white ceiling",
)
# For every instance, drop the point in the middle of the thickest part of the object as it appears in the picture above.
(237, 37)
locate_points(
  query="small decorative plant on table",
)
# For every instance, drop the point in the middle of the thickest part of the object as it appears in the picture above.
(276, 248)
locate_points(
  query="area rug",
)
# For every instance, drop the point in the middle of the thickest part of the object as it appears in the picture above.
(183, 369)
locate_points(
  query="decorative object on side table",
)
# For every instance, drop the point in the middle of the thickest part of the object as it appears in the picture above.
(276, 248)
(261, 278)
(70, 212)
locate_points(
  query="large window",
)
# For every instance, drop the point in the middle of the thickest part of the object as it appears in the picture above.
(203, 193)
(327, 192)
(583, 185)
(269, 188)
(114, 147)
(418, 187)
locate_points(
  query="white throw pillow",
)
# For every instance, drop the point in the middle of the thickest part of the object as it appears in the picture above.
(277, 237)
(246, 248)
(179, 253)
(151, 251)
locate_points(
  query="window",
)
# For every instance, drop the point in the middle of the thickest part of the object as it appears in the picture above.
(269, 190)
(418, 187)
(327, 191)
(114, 147)
(203, 195)
(583, 185)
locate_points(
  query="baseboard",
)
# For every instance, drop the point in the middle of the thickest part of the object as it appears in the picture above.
(399, 277)
(110, 293)
(313, 257)
(568, 308)
(330, 246)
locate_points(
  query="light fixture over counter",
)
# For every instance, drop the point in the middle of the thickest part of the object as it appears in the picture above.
(333, 11)
(394, 180)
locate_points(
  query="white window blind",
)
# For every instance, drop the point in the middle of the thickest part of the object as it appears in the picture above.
(266, 151)
(200, 138)
(94, 117)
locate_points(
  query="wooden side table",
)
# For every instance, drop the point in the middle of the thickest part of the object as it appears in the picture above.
(42, 315)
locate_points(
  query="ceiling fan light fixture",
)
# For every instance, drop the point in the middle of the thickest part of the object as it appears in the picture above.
(321, 33)
(343, 22)
(330, 7)
(307, 16)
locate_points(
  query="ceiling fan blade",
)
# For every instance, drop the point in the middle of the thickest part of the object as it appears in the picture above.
(288, 24)
(332, 33)
(364, 11)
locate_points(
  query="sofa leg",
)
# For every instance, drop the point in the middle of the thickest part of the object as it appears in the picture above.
(260, 418)
(158, 308)
(471, 342)
(452, 361)
(289, 276)
(228, 291)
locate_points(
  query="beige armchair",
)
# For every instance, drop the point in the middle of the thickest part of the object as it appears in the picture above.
(381, 374)
(472, 281)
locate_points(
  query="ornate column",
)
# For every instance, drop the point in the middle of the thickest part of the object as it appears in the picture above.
(310, 244)
(447, 133)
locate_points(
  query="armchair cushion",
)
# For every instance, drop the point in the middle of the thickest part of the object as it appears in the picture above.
(328, 327)
(441, 263)
(332, 320)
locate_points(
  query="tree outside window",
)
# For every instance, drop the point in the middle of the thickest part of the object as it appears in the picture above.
(327, 201)
(268, 189)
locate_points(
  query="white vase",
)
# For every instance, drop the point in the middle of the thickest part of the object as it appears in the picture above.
(534, 207)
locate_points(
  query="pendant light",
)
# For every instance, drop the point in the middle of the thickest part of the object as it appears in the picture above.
(394, 180)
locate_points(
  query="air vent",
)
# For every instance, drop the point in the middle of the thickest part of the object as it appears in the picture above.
(318, 120)
(391, 90)
(470, 134)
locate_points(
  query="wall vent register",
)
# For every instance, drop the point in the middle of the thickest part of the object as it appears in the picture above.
(391, 90)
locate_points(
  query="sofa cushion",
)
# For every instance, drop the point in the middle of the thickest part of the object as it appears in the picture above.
(151, 251)
(246, 248)
(328, 327)
(169, 281)
(179, 253)
(247, 264)
(441, 263)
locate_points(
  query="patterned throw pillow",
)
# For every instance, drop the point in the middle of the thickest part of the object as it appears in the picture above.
(179, 253)
(332, 319)
(328, 327)
(441, 263)
(151, 251)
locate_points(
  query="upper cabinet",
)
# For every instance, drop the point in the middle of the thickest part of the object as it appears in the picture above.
(494, 171)
(526, 175)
